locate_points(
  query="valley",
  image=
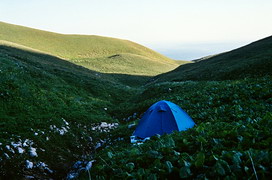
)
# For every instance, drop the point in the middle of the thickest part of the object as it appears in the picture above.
(71, 98)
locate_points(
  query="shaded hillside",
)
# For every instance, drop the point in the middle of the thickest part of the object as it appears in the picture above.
(252, 60)
(51, 105)
(93, 52)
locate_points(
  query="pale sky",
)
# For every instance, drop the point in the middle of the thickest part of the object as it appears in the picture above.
(181, 29)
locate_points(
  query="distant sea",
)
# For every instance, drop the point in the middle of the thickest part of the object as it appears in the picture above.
(191, 51)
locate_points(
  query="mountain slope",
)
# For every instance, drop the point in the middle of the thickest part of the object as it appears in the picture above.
(51, 114)
(252, 60)
(83, 48)
(51, 105)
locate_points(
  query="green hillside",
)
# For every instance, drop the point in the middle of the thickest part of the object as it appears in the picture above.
(234, 121)
(40, 91)
(91, 51)
(254, 59)
(54, 113)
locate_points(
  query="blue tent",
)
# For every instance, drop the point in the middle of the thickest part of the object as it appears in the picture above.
(163, 117)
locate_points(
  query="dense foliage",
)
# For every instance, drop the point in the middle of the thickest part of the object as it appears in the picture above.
(231, 139)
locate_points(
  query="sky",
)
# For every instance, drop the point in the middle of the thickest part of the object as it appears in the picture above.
(180, 29)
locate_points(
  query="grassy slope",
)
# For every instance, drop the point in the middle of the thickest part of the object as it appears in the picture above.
(234, 121)
(92, 51)
(37, 91)
(254, 59)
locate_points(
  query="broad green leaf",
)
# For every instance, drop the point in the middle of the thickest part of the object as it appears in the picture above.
(200, 158)
(225, 165)
(141, 172)
(185, 141)
(170, 142)
(169, 166)
(110, 155)
(219, 168)
(201, 139)
(246, 169)
(215, 157)
(199, 129)
(152, 177)
(184, 172)
(236, 159)
(187, 164)
(176, 153)
(128, 174)
(135, 151)
(130, 166)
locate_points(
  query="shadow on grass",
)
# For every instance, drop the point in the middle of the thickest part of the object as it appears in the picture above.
(57, 65)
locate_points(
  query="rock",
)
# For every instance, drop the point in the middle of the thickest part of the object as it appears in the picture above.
(29, 164)
(72, 176)
(20, 150)
(44, 167)
(6, 155)
(89, 165)
(29, 177)
(77, 165)
(15, 145)
(98, 145)
(104, 125)
(32, 152)
(61, 131)
(27, 142)
(65, 122)
(131, 125)
(10, 149)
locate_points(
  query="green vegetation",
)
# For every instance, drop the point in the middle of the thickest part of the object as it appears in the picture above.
(121, 63)
(39, 91)
(55, 112)
(94, 52)
(234, 122)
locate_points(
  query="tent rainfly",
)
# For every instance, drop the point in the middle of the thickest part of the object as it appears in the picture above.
(163, 117)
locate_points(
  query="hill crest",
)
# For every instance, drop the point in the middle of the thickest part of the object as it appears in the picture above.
(74, 48)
